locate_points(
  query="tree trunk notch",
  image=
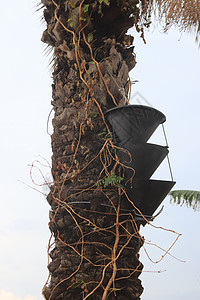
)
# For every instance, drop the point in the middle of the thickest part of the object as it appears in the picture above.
(95, 250)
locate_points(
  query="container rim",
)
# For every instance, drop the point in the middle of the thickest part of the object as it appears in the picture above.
(122, 107)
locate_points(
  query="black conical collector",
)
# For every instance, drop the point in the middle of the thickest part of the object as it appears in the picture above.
(147, 195)
(133, 123)
(143, 158)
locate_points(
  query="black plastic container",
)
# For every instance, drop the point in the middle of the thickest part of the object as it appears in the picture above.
(133, 124)
(147, 195)
(143, 158)
(131, 127)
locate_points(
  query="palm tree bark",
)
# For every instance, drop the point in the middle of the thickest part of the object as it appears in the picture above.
(94, 254)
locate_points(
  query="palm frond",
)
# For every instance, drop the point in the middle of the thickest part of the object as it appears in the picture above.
(186, 197)
(184, 14)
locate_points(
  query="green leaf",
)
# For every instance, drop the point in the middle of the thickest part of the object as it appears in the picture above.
(112, 180)
(73, 5)
(71, 24)
(90, 37)
(83, 19)
(94, 115)
(107, 2)
(85, 8)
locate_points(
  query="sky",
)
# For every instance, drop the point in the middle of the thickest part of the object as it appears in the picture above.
(168, 73)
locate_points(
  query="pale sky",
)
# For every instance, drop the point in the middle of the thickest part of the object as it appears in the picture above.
(168, 73)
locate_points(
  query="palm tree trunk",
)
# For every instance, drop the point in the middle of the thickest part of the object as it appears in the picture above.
(94, 254)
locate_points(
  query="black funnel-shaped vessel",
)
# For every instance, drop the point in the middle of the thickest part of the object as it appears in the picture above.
(147, 195)
(143, 158)
(134, 123)
(131, 127)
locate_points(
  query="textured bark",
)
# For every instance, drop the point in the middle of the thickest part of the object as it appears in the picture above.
(87, 231)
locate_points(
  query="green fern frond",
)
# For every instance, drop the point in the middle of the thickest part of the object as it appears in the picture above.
(186, 197)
